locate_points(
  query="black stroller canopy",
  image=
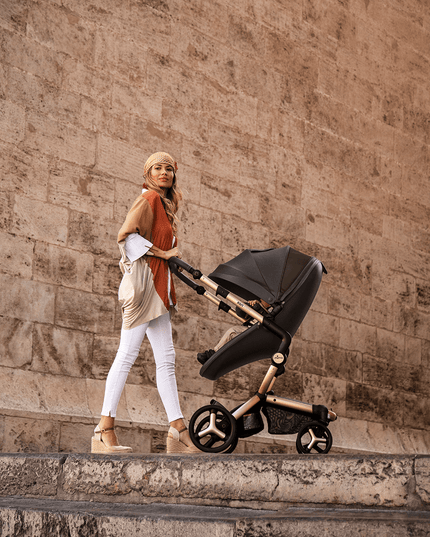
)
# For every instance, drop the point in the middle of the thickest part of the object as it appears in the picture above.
(265, 274)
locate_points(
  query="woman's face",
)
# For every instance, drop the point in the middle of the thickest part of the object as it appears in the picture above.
(163, 175)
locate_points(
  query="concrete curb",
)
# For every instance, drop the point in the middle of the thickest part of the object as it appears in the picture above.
(28, 517)
(254, 481)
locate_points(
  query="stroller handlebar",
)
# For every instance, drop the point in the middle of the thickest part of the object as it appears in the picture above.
(175, 262)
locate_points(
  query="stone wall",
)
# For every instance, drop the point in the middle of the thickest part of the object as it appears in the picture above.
(303, 122)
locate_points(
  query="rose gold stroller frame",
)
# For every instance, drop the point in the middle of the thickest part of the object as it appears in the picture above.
(264, 394)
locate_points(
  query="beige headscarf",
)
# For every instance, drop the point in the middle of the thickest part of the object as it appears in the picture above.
(172, 198)
(158, 158)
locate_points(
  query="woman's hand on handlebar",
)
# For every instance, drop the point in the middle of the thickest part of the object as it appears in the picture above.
(157, 252)
(174, 252)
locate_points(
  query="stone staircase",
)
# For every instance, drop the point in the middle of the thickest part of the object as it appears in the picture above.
(207, 495)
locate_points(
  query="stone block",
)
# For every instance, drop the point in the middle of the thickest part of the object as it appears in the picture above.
(180, 86)
(289, 385)
(80, 79)
(185, 331)
(39, 220)
(357, 337)
(118, 55)
(26, 300)
(245, 36)
(30, 475)
(239, 234)
(96, 391)
(30, 435)
(83, 311)
(187, 374)
(341, 364)
(75, 438)
(59, 140)
(321, 328)
(88, 233)
(150, 135)
(412, 153)
(62, 30)
(12, 122)
(374, 404)
(81, 190)
(62, 266)
(15, 342)
(325, 391)
(227, 197)
(416, 411)
(23, 172)
(82, 475)
(329, 232)
(425, 350)
(283, 219)
(64, 395)
(344, 303)
(390, 345)
(31, 57)
(412, 322)
(125, 194)
(42, 98)
(107, 276)
(340, 154)
(413, 352)
(236, 110)
(234, 385)
(356, 489)
(422, 476)
(199, 223)
(377, 312)
(21, 390)
(17, 258)
(14, 17)
(95, 117)
(120, 159)
(130, 99)
(144, 405)
(62, 352)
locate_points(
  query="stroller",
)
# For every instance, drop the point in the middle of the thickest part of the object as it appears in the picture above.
(287, 281)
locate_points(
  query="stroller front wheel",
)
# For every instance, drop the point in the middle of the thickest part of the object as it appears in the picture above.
(314, 437)
(213, 429)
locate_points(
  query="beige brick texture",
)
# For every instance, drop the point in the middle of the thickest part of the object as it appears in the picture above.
(302, 123)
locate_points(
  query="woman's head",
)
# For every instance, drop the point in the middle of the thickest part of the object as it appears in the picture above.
(159, 174)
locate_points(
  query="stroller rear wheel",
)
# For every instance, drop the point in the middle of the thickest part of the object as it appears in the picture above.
(314, 437)
(213, 429)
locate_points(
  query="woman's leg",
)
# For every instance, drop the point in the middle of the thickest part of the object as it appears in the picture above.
(160, 336)
(128, 350)
(159, 333)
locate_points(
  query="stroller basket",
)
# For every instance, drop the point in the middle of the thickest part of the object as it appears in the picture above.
(283, 421)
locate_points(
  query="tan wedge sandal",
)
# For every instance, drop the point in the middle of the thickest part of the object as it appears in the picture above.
(98, 446)
(177, 445)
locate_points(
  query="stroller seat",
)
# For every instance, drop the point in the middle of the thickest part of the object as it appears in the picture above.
(292, 286)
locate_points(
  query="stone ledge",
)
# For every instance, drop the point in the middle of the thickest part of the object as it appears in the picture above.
(47, 517)
(255, 481)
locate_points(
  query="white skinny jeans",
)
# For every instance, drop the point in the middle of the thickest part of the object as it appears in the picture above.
(159, 332)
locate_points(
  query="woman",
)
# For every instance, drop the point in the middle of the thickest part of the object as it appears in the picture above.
(146, 241)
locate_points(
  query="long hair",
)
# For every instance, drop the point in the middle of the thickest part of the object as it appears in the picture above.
(170, 199)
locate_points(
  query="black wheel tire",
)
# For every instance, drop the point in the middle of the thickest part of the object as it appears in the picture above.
(314, 438)
(224, 422)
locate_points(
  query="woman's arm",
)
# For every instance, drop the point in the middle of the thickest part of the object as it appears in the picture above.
(156, 252)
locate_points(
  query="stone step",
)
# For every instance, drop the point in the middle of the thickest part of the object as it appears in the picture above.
(49, 518)
(253, 481)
